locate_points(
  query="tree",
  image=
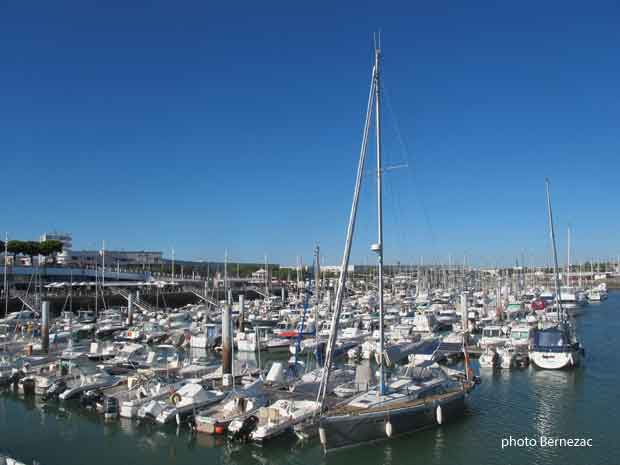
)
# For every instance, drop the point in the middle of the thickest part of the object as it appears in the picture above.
(32, 248)
(15, 248)
(50, 248)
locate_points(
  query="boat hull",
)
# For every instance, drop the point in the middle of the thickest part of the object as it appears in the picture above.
(211, 426)
(344, 431)
(555, 360)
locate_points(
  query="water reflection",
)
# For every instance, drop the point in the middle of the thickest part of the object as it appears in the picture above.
(553, 393)
(439, 445)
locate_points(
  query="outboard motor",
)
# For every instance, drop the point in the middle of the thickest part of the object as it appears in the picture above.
(55, 389)
(16, 375)
(249, 425)
(110, 408)
(90, 399)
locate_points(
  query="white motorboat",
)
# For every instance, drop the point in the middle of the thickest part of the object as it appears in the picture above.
(488, 358)
(493, 336)
(132, 399)
(181, 403)
(278, 418)
(238, 405)
(88, 380)
(521, 336)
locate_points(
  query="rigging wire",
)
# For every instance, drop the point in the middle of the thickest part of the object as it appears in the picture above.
(411, 172)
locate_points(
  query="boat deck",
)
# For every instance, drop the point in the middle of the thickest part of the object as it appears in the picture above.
(348, 409)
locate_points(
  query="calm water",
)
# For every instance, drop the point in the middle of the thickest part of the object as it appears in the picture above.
(521, 403)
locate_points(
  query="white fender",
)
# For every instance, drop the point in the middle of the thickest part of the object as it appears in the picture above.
(322, 436)
(388, 429)
(439, 415)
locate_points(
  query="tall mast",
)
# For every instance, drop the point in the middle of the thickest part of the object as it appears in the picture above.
(317, 273)
(317, 288)
(266, 278)
(556, 278)
(226, 275)
(568, 259)
(378, 248)
(342, 279)
(103, 266)
(6, 259)
(96, 286)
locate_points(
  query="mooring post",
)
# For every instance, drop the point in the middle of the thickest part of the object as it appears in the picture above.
(45, 326)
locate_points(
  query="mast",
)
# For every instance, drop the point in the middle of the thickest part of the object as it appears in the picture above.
(317, 287)
(172, 270)
(568, 280)
(96, 286)
(266, 279)
(103, 267)
(556, 279)
(6, 259)
(226, 275)
(331, 343)
(71, 292)
(378, 247)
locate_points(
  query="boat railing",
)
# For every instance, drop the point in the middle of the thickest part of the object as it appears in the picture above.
(551, 349)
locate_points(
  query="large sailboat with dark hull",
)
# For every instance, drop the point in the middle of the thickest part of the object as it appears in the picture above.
(420, 396)
(423, 397)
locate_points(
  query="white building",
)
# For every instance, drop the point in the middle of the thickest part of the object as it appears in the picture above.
(259, 275)
(336, 268)
(65, 238)
(113, 258)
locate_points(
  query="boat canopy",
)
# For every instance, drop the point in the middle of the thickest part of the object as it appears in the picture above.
(550, 338)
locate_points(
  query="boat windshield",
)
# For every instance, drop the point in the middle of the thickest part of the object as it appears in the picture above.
(492, 332)
(520, 335)
(550, 338)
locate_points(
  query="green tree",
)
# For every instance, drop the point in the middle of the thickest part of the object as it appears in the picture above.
(31, 248)
(15, 248)
(50, 248)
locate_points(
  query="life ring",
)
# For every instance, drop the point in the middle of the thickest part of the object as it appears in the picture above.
(439, 415)
(175, 398)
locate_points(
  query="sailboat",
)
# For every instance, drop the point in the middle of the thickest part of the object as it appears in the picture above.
(556, 347)
(421, 396)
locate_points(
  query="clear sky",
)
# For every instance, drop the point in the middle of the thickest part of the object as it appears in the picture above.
(211, 125)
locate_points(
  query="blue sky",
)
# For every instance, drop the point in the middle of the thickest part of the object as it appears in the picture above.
(204, 126)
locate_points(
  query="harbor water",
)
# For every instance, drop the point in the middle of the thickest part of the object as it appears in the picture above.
(507, 412)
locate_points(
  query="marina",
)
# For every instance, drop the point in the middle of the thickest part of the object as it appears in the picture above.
(288, 241)
(522, 402)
